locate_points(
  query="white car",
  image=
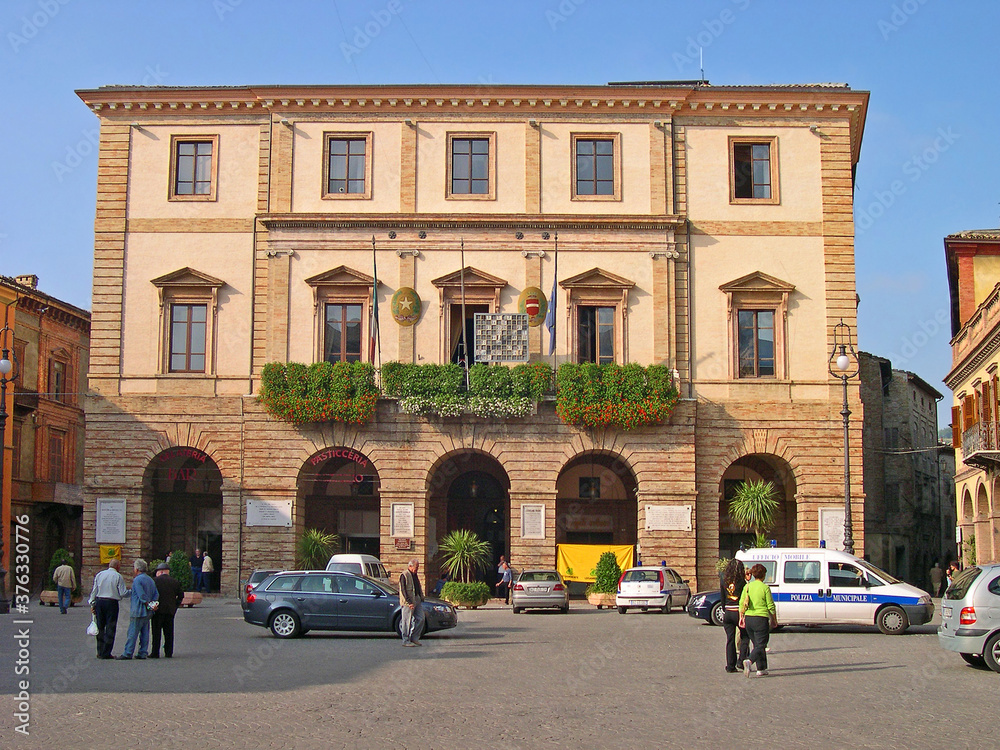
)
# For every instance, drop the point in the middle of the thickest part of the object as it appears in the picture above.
(360, 565)
(651, 587)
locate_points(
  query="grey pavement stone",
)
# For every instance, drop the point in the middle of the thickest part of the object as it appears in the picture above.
(589, 679)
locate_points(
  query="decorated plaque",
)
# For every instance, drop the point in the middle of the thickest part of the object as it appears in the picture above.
(405, 306)
(831, 527)
(533, 304)
(668, 518)
(401, 520)
(269, 513)
(533, 521)
(110, 520)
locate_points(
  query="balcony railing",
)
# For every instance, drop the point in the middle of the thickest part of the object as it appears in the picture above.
(980, 445)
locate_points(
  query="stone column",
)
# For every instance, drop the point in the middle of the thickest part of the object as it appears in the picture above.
(395, 560)
(526, 553)
(407, 277)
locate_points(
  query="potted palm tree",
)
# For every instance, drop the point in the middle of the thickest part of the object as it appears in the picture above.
(753, 508)
(464, 554)
(603, 590)
(313, 549)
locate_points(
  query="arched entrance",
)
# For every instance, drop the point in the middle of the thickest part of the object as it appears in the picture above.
(186, 487)
(470, 490)
(755, 467)
(596, 501)
(339, 494)
(984, 541)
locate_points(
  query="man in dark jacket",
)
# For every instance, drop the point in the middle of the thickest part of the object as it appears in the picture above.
(410, 596)
(171, 594)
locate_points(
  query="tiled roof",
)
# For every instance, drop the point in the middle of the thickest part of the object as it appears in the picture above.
(976, 234)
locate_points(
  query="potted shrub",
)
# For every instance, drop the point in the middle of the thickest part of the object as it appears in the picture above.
(50, 596)
(464, 554)
(313, 549)
(753, 508)
(180, 571)
(603, 590)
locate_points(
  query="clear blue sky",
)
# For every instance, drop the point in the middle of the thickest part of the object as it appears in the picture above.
(928, 163)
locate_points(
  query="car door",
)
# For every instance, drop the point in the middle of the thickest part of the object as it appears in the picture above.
(799, 595)
(362, 605)
(849, 596)
(316, 598)
(679, 591)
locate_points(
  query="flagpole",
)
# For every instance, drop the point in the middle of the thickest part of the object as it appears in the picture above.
(465, 343)
(375, 335)
(555, 292)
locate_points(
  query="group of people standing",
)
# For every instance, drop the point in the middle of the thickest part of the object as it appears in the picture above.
(939, 577)
(153, 603)
(749, 610)
(202, 569)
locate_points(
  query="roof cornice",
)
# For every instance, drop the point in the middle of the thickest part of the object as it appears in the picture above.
(458, 221)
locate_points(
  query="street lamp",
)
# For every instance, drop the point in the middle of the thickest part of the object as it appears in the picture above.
(9, 370)
(843, 364)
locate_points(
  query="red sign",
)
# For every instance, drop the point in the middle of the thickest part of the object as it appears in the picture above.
(403, 543)
(531, 305)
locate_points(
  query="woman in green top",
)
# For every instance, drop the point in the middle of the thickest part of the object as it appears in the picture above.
(758, 615)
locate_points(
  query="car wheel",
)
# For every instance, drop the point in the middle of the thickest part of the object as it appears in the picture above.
(991, 652)
(622, 610)
(564, 610)
(892, 621)
(644, 609)
(518, 610)
(976, 661)
(668, 606)
(285, 624)
(718, 613)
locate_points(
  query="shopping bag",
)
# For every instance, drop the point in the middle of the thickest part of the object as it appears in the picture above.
(92, 628)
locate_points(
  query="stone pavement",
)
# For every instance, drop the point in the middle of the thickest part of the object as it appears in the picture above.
(588, 679)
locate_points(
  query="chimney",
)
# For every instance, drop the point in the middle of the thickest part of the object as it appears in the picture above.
(28, 280)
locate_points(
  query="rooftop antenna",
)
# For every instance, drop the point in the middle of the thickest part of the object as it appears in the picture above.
(701, 62)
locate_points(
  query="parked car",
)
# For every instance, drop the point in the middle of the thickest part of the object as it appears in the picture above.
(362, 565)
(651, 587)
(291, 603)
(250, 583)
(539, 589)
(970, 616)
(707, 605)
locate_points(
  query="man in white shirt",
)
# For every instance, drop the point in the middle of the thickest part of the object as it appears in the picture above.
(109, 589)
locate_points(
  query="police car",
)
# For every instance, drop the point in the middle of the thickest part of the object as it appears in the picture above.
(828, 587)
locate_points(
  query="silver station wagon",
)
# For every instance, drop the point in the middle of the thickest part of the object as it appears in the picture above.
(970, 616)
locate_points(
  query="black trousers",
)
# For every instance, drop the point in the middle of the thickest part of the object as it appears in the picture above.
(106, 614)
(731, 623)
(760, 633)
(162, 624)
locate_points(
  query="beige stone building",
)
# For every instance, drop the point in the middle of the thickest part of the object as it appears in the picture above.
(974, 283)
(705, 228)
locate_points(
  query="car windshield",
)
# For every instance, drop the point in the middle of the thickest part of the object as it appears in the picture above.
(877, 571)
(961, 583)
(345, 567)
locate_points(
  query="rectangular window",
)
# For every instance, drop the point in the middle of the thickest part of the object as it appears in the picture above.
(57, 441)
(596, 334)
(595, 166)
(802, 571)
(347, 165)
(188, 325)
(342, 341)
(347, 168)
(753, 174)
(470, 166)
(57, 380)
(756, 343)
(193, 168)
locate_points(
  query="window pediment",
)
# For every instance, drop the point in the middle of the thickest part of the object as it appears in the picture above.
(340, 276)
(596, 278)
(473, 278)
(758, 282)
(188, 277)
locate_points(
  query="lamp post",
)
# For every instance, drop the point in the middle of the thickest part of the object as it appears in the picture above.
(9, 370)
(843, 364)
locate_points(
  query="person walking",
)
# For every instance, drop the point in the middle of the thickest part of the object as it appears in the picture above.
(410, 596)
(171, 594)
(144, 601)
(196, 561)
(65, 580)
(207, 569)
(506, 577)
(496, 586)
(758, 615)
(734, 580)
(108, 590)
(936, 576)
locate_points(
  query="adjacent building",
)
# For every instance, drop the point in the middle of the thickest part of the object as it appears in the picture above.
(909, 496)
(973, 259)
(705, 229)
(45, 425)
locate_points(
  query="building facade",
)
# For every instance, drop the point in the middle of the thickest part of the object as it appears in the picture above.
(705, 229)
(909, 512)
(973, 259)
(46, 425)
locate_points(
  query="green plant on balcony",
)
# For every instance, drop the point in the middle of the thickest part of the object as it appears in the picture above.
(626, 396)
(321, 392)
(495, 391)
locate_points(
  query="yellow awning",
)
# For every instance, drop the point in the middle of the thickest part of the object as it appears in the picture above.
(576, 562)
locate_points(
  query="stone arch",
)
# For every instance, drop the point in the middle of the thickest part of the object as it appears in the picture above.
(337, 491)
(597, 500)
(184, 485)
(968, 509)
(769, 468)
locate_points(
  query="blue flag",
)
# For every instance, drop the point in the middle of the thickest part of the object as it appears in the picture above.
(550, 318)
